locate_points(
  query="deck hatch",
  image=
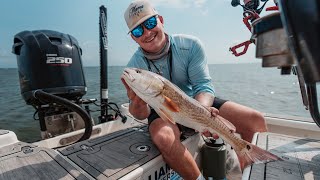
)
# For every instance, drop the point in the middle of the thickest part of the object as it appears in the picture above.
(26, 161)
(114, 155)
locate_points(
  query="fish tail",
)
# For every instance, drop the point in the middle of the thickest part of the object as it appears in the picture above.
(254, 154)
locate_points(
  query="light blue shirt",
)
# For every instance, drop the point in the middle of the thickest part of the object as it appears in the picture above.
(189, 65)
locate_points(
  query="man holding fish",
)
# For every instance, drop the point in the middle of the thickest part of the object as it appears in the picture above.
(181, 60)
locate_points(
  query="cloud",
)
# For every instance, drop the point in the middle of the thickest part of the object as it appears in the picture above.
(5, 53)
(199, 3)
(180, 3)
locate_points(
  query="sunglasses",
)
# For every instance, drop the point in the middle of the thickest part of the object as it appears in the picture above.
(148, 24)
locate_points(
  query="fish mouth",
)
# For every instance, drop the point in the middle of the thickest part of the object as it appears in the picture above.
(126, 75)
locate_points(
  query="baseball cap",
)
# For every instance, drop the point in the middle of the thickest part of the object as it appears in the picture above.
(137, 12)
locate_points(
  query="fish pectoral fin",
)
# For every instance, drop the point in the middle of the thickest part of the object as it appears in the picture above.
(227, 123)
(165, 116)
(171, 105)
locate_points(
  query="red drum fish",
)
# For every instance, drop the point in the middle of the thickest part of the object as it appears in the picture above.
(173, 105)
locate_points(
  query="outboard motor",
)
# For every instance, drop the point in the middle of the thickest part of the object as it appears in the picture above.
(50, 61)
(301, 20)
(272, 43)
(52, 80)
(288, 39)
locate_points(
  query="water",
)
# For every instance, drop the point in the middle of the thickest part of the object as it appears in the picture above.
(261, 88)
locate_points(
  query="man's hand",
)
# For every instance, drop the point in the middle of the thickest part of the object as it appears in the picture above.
(214, 112)
(137, 107)
(132, 95)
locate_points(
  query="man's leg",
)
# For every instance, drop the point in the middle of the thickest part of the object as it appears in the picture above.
(246, 120)
(166, 136)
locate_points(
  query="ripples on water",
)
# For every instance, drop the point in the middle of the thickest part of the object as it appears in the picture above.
(261, 88)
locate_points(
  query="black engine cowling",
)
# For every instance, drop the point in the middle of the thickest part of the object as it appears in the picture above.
(49, 61)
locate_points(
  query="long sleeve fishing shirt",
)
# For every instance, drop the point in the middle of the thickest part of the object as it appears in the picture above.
(189, 68)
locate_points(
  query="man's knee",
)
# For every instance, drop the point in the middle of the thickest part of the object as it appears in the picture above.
(253, 122)
(163, 136)
(258, 122)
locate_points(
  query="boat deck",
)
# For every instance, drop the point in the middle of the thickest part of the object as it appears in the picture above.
(301, 158)
(130, 154)
(113, 156)
(107, 157)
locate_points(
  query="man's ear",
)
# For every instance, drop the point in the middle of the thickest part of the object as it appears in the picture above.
(161, 19)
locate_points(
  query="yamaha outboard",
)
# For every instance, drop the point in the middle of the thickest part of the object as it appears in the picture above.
(50, 61)
(52, 80)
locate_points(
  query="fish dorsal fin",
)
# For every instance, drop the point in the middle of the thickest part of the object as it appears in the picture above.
(226, 123)
(172, 106)
(165, 116)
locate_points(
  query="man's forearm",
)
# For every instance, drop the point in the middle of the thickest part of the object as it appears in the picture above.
(139, 111)
(205, 98)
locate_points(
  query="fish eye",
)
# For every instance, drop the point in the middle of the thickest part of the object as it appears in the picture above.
(138, 71)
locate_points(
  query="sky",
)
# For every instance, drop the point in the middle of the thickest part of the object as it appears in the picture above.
(215, 22)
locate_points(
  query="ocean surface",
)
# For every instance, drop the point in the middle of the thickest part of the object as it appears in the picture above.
(261, 88)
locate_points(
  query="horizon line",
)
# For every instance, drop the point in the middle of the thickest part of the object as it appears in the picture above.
(125, 65)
